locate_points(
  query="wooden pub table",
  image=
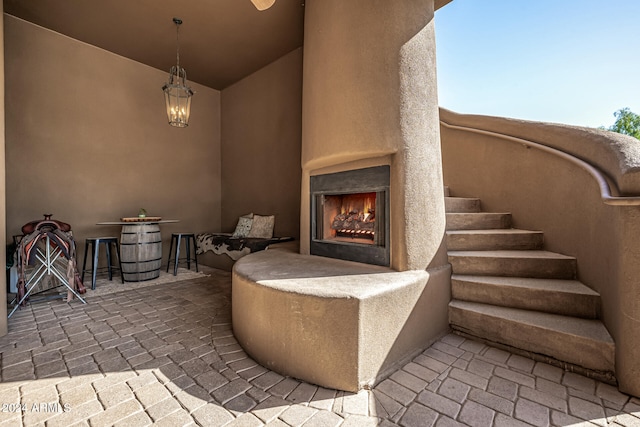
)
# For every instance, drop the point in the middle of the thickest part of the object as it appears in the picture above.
(140, 247)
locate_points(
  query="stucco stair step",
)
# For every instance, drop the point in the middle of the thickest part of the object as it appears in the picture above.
(461, 204)
(582, 342)
(565, 297)
(478, 220)
(499, 239)
(536, 264)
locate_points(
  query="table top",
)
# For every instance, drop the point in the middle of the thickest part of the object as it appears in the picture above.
(162, 221)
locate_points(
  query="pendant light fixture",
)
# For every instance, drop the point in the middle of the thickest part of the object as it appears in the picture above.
(177, 95)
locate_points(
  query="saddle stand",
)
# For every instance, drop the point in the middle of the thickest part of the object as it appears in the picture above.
(50, 252)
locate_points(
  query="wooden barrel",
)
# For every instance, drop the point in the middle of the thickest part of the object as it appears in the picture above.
(140, 252)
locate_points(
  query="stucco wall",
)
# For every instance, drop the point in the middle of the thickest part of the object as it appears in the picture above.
(261, 132)
(3, 287)
(87, 139)
(545, 192)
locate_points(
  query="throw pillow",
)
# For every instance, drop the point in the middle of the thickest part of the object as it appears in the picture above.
(244, 226)
(262, 226)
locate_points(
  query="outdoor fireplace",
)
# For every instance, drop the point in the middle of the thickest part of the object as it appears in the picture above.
(350, 215)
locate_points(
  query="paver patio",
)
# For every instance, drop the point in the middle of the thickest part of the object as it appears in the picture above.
(166, 355)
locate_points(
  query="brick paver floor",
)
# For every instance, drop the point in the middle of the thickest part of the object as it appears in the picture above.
(166, 355)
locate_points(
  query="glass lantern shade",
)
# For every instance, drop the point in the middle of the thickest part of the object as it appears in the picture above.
(177, 97)
(263, 4)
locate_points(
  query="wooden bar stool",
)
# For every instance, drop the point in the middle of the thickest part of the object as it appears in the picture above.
(94, 243)
(189, 239)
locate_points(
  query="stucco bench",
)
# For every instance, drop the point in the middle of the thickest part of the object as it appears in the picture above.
(334, 323)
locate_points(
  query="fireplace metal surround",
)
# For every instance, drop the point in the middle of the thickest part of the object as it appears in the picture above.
(357, 181)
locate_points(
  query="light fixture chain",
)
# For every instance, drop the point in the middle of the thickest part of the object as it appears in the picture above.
(178, 46)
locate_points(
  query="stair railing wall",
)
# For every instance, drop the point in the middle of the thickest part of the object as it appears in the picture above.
(603, 183)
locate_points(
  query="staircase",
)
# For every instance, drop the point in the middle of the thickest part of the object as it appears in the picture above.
(508, 290)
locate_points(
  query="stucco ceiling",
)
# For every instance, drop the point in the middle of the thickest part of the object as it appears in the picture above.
(221, 41)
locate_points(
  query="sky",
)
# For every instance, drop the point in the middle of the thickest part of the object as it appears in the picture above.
(561, 61)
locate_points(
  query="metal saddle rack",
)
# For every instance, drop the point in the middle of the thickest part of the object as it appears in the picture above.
(46, 251)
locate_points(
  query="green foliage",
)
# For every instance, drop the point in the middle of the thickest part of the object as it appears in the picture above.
(627, 123)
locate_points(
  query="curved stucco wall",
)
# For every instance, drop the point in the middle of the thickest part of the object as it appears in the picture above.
(334, 323)
(615, 154)
(545, 192)
(369, 92)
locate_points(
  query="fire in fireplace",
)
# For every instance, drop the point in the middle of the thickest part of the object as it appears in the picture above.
(349, 215)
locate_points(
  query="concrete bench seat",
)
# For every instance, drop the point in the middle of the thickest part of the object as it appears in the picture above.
(337, 324)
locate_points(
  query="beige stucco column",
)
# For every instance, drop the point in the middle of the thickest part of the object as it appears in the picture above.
(3, 228)
(370, 98)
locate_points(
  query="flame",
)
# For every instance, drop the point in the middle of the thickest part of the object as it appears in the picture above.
(368, 203)
(358, 203)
